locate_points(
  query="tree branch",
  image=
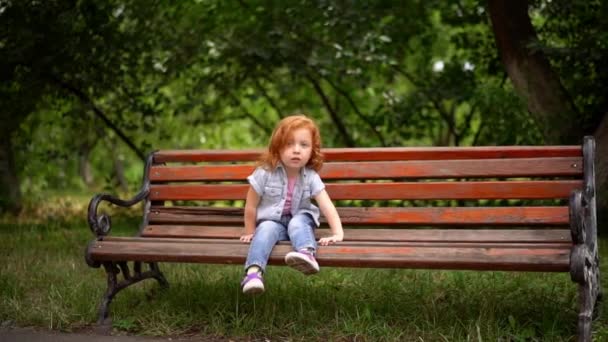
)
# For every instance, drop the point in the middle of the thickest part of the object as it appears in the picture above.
(468, 118)
(354, 106)
(332, 113)
(478, 133)
(434, 101)
(99, 113)
(268, 98)
(246, 113)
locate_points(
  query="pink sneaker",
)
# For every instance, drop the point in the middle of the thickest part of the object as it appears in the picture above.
(303, 261)
(253, 283)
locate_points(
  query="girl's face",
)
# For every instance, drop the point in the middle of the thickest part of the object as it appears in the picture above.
(296, 154)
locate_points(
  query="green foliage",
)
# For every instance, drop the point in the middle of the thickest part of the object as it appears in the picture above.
(574, 35)
(106, 83)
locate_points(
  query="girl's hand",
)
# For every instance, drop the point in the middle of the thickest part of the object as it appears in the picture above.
(246, 238)
(329, 240)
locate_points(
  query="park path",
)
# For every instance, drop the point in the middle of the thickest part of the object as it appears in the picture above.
(11, 334)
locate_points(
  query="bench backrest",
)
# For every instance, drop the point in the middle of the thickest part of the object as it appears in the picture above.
(382, 187)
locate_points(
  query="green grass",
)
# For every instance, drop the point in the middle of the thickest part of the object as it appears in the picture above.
(45, 282)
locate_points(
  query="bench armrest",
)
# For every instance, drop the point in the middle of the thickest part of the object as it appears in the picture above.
(100, 224)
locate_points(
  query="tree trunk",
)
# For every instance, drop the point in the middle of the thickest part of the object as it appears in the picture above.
(601, 174)
(10, 193)
(531, 74)
(84, 165)
(548, 101)
(119, 169)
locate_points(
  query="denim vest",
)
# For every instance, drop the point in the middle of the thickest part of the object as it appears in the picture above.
(271, 186)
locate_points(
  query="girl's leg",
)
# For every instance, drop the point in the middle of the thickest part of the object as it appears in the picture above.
(301, 231)
(302, 236)
(266, 235)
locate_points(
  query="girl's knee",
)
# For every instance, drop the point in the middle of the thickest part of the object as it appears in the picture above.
(267, 230)
(301, 221)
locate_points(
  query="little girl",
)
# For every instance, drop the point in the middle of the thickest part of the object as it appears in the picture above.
(278, 205)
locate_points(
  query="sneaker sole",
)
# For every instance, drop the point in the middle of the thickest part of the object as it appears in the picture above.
(252, 290)
(300, 264)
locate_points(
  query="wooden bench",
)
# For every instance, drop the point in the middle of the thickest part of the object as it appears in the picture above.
(508, 208)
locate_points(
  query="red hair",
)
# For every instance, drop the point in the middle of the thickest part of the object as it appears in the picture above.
(281, 135)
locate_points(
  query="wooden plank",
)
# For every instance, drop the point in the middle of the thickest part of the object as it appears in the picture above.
(406, 190)
(380, 153)
(386, 235)
(343, 255)
(542, 215)
(373, 244)
(490, 168)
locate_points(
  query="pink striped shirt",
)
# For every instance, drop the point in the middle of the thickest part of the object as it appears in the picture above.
(291, 184)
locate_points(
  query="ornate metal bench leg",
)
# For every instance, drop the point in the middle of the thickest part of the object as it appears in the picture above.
(111, 271)
(159, 275)
(114, 286)
(589, 294)
(584, 258)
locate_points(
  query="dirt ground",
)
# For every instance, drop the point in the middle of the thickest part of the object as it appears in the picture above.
(14, 334)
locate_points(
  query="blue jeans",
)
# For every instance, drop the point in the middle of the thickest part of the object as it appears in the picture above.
(298, 229)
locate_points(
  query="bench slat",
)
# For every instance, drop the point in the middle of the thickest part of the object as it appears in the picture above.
(437, 244)
(526, 258)
(385, 153)
(416, 190)
(394, 235)
(527, 167)
(541, 215)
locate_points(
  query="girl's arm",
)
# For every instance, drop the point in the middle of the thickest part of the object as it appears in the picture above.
(251, 207)
(331, 214)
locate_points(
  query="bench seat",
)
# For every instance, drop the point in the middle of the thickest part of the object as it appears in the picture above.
(462, 255)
